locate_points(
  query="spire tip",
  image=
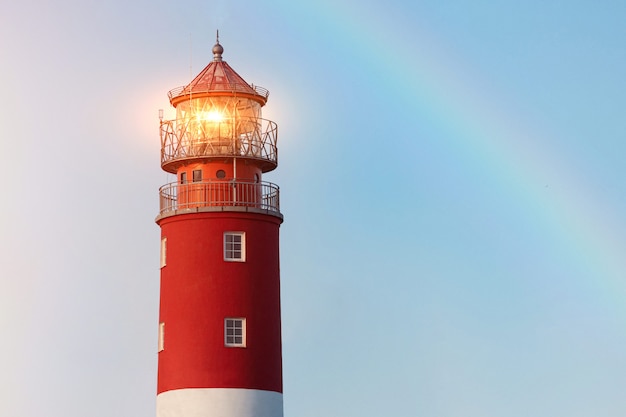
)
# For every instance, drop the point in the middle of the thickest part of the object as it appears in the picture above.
(217, 48)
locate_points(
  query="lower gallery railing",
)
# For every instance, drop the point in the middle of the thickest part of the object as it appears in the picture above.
(231, 193)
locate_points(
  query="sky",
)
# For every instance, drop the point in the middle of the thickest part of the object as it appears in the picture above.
(452, 182)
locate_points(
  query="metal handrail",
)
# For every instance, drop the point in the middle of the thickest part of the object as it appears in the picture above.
(231, 87)
(219, 194)
(247, 137)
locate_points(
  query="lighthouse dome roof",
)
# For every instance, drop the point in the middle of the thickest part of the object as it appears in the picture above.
(218, 78)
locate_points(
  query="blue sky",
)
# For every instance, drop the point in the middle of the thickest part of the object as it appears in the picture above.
(451, 177)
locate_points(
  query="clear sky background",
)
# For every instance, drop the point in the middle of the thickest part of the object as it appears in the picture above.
(452, 179)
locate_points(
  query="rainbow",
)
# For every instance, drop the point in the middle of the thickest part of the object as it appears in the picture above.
(579, 219)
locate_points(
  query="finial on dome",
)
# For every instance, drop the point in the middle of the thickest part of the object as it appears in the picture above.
(217, 49)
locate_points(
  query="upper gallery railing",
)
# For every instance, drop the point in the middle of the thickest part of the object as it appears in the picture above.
(184, 139)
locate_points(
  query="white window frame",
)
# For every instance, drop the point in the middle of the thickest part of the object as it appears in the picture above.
(163, 252)
(230, 323)
(231, 254)
(161, 336)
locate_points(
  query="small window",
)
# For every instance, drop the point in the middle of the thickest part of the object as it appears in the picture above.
(163, 251)
(220, 174)
(235, 246)
(257, 178)
(161, 336)
(197, 175)
(235, 332)
(183, 178)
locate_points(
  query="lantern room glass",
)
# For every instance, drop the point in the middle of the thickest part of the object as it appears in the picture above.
(217, 119)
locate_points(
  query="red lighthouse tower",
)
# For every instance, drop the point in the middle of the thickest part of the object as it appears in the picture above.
(219, 320)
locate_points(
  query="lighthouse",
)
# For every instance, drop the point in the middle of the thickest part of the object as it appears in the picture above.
(219, 343)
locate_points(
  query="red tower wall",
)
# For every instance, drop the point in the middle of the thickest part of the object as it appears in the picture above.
(199, 289)
(245, 171)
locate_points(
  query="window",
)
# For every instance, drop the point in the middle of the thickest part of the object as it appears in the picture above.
(197, 175)
(235, 332)
(183, 178)
(220, 174)
(161, 336)
(163, 251)
(235, 246)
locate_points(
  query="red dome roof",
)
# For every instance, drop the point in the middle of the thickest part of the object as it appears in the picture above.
(218, 77)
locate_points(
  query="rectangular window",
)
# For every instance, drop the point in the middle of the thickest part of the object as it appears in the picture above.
(235, 246)
(161, 336)
(183, 178)
(235, 332)
(163, 251)
(197, 175)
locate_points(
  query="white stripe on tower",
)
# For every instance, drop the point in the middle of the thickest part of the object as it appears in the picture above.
(219, 402)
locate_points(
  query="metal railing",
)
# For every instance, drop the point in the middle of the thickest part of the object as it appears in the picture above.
(221, 87)
(246, 137)
(219, 195)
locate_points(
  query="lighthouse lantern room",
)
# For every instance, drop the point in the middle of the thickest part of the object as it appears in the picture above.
(219, 315)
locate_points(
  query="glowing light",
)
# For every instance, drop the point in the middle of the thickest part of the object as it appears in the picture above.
(211, 116)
